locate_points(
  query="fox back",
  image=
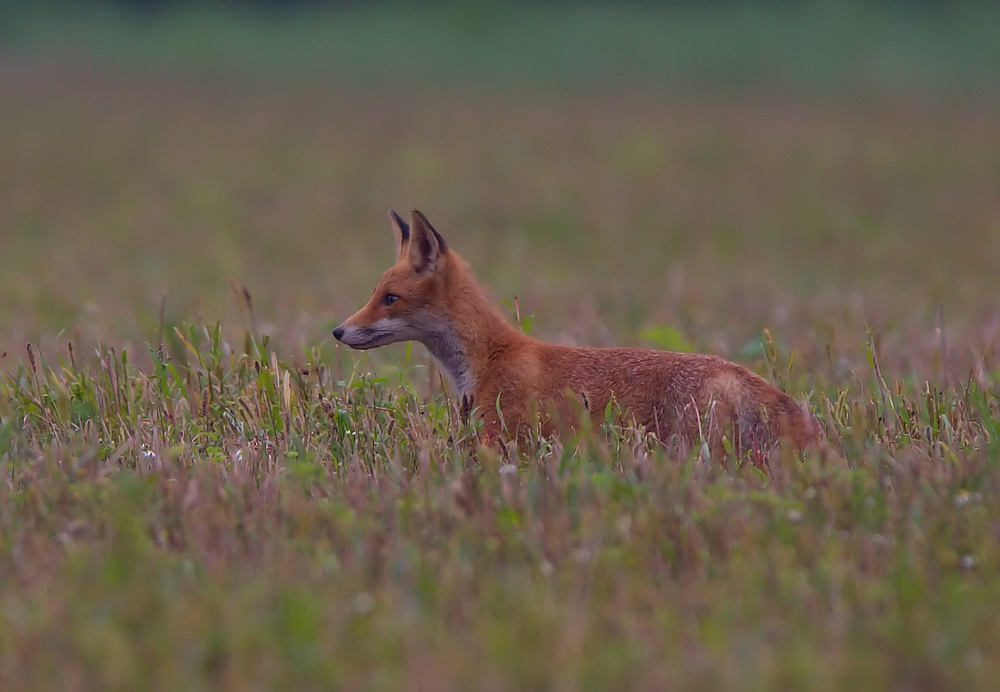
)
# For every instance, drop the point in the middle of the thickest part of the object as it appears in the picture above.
(515, 381)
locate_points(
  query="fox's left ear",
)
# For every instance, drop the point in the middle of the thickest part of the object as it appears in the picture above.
(426, 245)
(402, 231)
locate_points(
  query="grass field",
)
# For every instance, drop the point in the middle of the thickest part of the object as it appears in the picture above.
(200, 490)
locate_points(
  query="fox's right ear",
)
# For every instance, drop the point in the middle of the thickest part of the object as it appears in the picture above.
(427, 246)
(402, 232)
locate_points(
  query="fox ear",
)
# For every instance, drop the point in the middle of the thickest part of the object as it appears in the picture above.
(426, 245)
(402, 231)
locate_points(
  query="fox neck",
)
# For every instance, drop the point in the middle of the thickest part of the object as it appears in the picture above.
(469, 336)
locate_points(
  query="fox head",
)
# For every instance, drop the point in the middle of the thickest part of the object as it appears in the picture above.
(407, 299)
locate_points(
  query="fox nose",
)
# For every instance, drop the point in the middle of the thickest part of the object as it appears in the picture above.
(338, 332)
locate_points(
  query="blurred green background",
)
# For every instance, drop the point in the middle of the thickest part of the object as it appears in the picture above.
(812, 167)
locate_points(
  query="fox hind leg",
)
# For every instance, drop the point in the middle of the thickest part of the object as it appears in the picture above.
(754, 437)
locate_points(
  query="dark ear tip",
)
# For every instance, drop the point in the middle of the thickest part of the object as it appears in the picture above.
(419, 218)
(398, 220)
(404, 228)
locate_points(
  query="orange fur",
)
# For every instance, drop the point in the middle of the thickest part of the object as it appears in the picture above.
(685, 396)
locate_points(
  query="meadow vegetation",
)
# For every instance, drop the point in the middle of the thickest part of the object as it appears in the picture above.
(200, 490)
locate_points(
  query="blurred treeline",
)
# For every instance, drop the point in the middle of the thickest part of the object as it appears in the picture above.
(295, 4)
(811, 44)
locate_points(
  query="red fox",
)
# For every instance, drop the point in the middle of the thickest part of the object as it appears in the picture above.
(430, 295)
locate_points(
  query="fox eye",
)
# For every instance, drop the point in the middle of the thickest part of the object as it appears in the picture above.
(389, 299)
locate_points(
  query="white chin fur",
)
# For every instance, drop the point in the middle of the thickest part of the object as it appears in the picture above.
(380, 333)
